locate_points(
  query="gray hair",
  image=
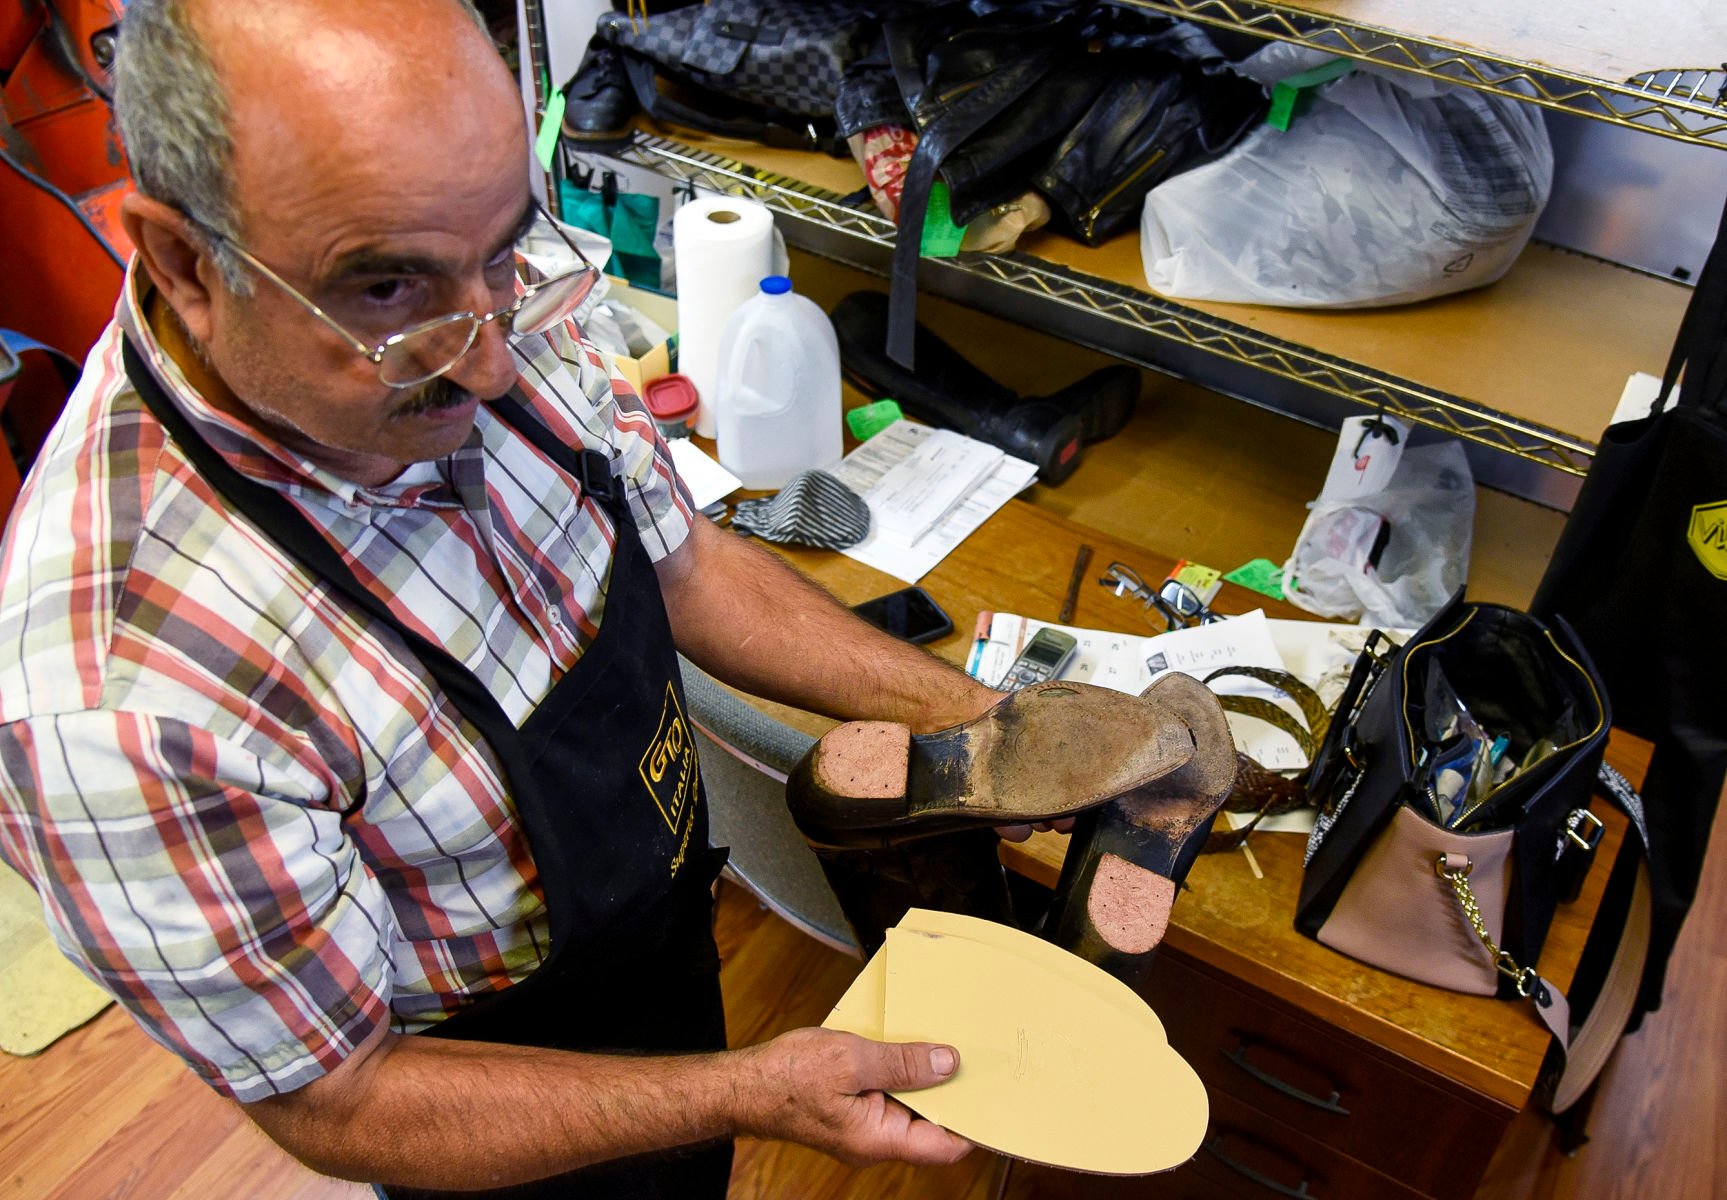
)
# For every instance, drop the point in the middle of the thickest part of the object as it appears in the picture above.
(174, 118)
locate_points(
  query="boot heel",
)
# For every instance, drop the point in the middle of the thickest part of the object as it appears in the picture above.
(862, 761)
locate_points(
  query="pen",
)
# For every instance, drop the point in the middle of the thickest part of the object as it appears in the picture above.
(1080, 562)
(980, 638)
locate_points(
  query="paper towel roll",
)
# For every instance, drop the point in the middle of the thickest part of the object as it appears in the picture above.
(724, 247)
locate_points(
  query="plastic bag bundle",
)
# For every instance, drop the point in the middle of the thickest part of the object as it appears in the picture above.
(1392, 555)
(1390, 188)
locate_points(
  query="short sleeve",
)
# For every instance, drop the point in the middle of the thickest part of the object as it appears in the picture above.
(580, 385)
(205, 888)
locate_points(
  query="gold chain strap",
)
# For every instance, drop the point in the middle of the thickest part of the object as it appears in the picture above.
(1458, 878)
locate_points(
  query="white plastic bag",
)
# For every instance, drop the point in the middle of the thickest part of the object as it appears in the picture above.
(1390, 188)
(1425, 515)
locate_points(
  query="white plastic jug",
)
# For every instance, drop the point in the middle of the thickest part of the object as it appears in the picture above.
(778, 406)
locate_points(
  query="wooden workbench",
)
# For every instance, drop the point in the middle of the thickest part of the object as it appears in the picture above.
(1431, 1079)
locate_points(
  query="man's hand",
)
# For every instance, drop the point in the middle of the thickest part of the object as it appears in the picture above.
(827, 1090)
(1020, 833)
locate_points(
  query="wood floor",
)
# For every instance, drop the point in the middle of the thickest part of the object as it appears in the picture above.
(105, 1113)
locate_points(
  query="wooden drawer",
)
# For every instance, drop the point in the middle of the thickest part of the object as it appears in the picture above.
(1325, 1085)
(1246, 1156)
(1249, 1155)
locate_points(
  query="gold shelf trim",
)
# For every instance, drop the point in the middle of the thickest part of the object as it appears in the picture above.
(1686, 104)
(1136, 312)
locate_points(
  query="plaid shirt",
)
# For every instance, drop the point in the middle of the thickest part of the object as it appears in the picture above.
(250, 816)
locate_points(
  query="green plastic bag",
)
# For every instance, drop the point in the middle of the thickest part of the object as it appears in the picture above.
(629, 219)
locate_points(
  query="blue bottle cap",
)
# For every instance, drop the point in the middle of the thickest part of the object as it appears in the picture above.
(776, 285)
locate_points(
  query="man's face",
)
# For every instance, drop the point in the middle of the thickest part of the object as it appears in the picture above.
(386, 212)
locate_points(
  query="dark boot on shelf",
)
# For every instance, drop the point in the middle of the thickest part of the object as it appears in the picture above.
(949, 391)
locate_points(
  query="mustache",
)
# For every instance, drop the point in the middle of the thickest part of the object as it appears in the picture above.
(433, 396)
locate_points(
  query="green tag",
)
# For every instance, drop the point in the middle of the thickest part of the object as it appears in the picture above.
(1261, 575)
(867, 420)
(1290, 97)
(941, 237)
(546, 142)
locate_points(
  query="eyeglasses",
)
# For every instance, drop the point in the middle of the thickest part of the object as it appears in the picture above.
(430, 348)
(1179, 604)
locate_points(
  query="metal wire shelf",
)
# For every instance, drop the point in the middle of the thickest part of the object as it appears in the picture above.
(1687, 104)
(1134, 312)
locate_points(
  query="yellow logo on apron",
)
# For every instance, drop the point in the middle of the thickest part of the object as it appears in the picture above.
(1708, 537)
(669, 766)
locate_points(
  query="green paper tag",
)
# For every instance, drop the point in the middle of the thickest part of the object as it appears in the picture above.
(546, 142)
(941, 237)
(1261, 575)
(867, 420)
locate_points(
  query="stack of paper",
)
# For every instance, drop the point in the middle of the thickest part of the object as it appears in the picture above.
(927, 490)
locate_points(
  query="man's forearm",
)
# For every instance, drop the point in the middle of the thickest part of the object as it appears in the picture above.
(742, 614)
(454, 1115)
(445, 1114)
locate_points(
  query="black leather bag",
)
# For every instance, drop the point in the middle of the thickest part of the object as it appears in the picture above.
(1379, 781)
(1091, 103)
(1160, 112)
(762, 70)
(1641, 573)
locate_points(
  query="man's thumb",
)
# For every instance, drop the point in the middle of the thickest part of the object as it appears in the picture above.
(907, 1066)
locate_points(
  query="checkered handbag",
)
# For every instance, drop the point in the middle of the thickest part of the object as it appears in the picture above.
(786, 55)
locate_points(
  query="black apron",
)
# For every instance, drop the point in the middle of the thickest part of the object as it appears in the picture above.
(604, 780)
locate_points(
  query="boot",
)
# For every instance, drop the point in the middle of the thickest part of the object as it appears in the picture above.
(948, 391)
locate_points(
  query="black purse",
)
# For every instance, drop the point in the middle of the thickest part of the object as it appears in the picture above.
(1641, 573)
(1453, 788)
(1410, 869)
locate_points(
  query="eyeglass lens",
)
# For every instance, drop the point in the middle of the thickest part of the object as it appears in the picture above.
(1181, 598)
(435, 348)
(554, 300)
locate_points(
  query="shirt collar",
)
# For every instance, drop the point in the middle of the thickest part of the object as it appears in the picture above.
(251, 451)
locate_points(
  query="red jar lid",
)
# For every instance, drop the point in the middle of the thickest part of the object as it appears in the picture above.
(671, 398)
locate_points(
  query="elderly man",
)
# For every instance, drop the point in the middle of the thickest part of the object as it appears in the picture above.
(339, 619)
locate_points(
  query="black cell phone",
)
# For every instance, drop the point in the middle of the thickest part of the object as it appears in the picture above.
(908, 613)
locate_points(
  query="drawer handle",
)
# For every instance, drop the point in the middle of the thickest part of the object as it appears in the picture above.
(1299, 1191)
(1238, 1056)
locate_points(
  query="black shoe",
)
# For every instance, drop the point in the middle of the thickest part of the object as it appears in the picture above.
(1126, 860)
(598, 101)
(1049, 751)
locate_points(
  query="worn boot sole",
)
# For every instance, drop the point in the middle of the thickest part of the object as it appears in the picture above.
(1125, 866)
(1049, 751)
